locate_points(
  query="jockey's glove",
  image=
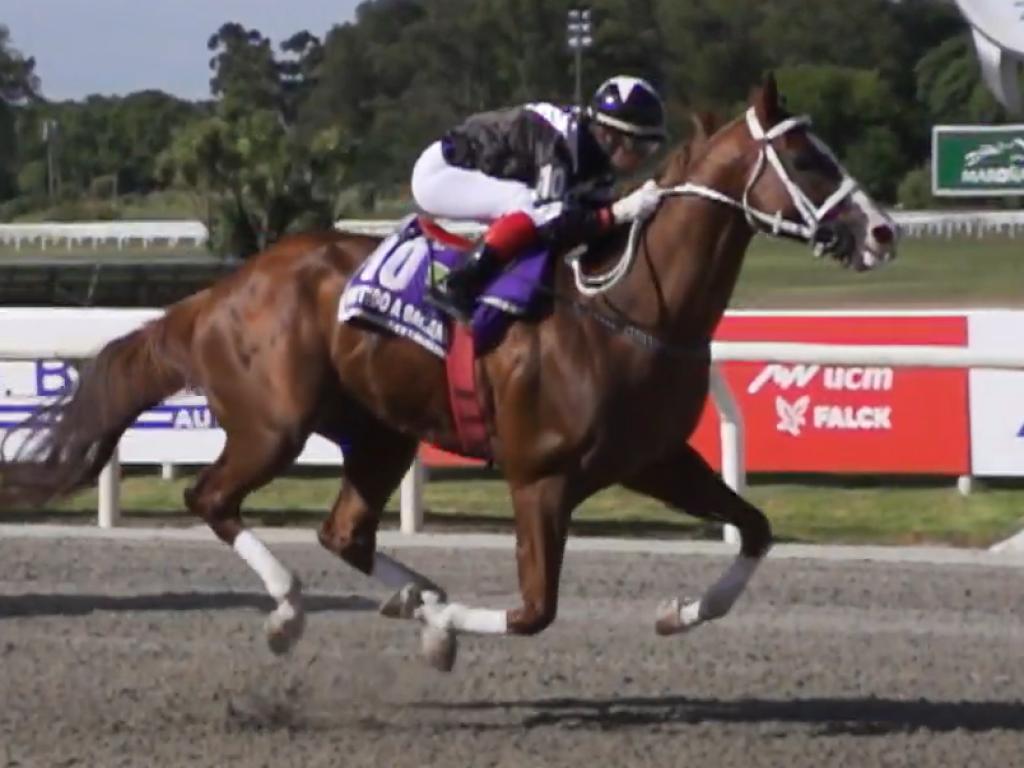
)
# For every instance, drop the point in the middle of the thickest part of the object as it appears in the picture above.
(638, 204)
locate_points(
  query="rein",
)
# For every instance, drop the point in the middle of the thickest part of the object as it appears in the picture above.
(775, 225)
(772, 224)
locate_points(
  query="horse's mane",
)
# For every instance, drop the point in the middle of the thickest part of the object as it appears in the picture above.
(676, 166)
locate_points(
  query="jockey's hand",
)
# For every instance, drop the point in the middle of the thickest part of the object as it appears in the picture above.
(638, 204)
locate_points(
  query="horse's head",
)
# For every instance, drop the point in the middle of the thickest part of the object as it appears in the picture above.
(795, 186)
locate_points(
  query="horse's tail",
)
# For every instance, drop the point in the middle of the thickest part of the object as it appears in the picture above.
(65, 444)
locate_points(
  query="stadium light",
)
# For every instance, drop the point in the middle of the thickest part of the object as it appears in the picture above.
(579, 36)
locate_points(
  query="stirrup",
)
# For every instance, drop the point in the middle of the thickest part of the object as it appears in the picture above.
(442, 298)
(456, 302)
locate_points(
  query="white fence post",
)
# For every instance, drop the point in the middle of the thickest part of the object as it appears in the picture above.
(965, 484)
(109, 489)
(411, 496)
(730, 420)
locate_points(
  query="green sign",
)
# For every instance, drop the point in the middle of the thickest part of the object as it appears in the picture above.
(977, 160)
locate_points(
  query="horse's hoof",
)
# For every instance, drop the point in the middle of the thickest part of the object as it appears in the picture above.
(402, 604)
(284, 630)
(440, 647)
(432, 593)
(669, 621)
(675, 617)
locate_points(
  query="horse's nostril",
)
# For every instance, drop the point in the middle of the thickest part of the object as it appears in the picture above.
(882, 234)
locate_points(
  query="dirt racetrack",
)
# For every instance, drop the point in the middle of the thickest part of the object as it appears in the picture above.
(151, 654)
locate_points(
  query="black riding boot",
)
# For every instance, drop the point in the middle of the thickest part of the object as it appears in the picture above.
(459, 290)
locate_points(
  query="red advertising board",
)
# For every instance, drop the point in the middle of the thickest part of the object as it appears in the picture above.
(434, 457)
(839, 419)
(846, 419)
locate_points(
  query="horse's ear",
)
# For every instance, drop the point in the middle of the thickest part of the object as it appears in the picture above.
(705, 123)
(765, 101)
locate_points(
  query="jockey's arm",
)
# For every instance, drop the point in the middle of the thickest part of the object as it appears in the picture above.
(570, 213)
(576, 210)
(581, 218)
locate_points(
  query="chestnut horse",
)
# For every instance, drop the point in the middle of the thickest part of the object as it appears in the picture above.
(571, 404)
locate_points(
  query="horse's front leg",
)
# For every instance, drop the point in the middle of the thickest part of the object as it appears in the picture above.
(685, 481)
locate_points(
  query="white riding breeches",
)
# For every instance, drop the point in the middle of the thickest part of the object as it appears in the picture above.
(447, 192)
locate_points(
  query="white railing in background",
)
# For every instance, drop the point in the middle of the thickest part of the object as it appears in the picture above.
(148, 233)
(108, 513)
(730, 416)
(47, 234)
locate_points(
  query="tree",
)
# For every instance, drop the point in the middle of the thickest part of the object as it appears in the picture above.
(850, 108)
(111, 137)
(255, 171)
(370, 94)
(18, 85)
(949, 85)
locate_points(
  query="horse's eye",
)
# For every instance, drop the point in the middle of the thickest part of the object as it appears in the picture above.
(806, 157)
(809, 160)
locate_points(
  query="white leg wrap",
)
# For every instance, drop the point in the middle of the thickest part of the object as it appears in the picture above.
(392, 573)
(276, 578)
(285, 624)
(720, 596)
(465, 620)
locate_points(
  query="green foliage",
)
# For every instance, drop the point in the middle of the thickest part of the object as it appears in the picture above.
(256, 171)
(18, 85)
(915, 190)
(850, 109)
(329, 121)
(31, 179)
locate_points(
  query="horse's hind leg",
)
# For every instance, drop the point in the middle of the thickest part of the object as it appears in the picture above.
(375, 462)
(684, 480)
(542, 509)
(249, 460)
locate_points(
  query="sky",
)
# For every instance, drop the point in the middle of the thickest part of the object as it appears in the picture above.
(119, 46)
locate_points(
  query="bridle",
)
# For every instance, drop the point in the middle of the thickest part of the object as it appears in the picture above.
(773, 224)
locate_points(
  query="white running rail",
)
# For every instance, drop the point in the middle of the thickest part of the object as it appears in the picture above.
(148, 233)
(730, 416)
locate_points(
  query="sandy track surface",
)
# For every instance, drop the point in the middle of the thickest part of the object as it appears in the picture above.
(152, 654)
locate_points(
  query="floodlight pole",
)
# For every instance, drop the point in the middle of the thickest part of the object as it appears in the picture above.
(579, 35)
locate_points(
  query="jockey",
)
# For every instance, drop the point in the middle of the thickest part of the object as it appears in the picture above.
(539, 174)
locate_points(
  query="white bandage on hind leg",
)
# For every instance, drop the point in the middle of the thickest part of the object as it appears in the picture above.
(466, 620)
(276, 578)
(393, 574)
(720, 596)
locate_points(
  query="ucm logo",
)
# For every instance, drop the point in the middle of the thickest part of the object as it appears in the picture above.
(783, 376)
